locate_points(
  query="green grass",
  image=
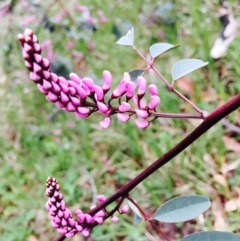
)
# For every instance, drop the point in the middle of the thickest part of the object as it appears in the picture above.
(36, 141)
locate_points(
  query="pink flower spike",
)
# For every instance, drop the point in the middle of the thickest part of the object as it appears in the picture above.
(114, 219)
(142, 113)
(142, 124)
(101, 198)
(154, 102)
(105, 122)
(98, 93)
(123, 117)
(85, 233)
(99, 220)
(124, 107)
(131, 86)
(153, 90)
(141, 86)
(89, 83)
(103, 108)
(107, 80)
(124, 209)
(74, 77)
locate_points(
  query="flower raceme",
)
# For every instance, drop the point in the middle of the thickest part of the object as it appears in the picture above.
(62, 218)
(82, 96)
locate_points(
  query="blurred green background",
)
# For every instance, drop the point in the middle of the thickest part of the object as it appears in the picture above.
(37, 140)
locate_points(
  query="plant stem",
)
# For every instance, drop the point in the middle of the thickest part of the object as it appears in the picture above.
(210, 121)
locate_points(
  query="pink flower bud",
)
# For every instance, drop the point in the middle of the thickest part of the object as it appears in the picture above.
(101, 198)
(81, 217)
(45, 63)
(70, 234)
(142, 124)
(79, 211)
(114, 219)
(141, 86)
(99, 220)
(92, 207)
(153, 90)
(101, 213)
(54, 225)
(124, 209)
(103, 108)
(74, 77)
(154, 102)
(131, 86)
(70, 107)
(124, 107)
(64, 222)
(98, 93)
(142, 113)
(35, 77)
(56, 88)
(107, 80)
(62, 230)
(54, 77)
(28, 32)
(83, 110)
(47, 85)
(27, 48)
(105, 122)
(88, 218)
(64, 98)
(85, 233)
(79, 228)
(38, 58)
(89, 83)
(120, 90)
(57, 220)
(52, 97)
(46, 74)
(72, 91)
(37, 47)
(123, 117)
(60, 214)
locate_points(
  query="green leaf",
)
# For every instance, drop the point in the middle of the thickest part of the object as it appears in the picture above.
(128, 39)
(186, 66)
(137, 215)
(135, 73)
(160, 48)
(212, 236)
(182, 208)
